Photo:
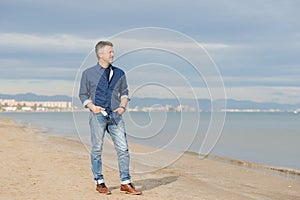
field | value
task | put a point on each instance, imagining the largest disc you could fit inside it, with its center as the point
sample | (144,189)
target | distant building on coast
(11,105)
(166,108)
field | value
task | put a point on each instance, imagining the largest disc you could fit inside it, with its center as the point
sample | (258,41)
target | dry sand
(35,165)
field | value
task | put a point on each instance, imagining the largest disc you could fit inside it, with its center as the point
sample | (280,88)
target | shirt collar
(102,68)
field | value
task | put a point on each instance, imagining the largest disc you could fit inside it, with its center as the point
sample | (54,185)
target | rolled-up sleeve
(124,88)
(84,94)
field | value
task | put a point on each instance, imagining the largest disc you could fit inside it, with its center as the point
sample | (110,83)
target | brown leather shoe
(129,189)
(102,189)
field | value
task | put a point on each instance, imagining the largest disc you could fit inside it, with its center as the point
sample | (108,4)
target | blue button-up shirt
(107,92)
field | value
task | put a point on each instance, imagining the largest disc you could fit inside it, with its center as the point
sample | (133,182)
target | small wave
(289,173)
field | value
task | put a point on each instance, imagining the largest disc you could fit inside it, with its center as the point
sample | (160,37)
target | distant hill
(244,104)
(35,97)
(204,104)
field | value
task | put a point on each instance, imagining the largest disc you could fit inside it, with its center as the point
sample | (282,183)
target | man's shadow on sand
(151,183)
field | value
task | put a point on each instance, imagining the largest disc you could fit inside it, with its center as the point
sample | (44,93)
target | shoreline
(200,111)
(286,172)
(289,173)
(35,165)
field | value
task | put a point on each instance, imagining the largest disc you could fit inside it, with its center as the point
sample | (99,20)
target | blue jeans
(98,124)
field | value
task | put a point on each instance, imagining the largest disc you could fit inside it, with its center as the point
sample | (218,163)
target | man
(103,89)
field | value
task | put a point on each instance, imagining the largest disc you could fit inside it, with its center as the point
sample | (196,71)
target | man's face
(107,55)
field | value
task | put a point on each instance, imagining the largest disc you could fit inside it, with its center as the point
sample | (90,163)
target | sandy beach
(35,165)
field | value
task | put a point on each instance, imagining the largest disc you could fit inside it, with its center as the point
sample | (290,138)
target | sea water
(271,138)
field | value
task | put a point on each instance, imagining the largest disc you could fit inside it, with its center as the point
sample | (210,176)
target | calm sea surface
(267,138)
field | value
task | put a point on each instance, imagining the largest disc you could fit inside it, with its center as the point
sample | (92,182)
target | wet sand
(35,165)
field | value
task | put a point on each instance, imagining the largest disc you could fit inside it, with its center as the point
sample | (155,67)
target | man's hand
(95,109)
(119,110)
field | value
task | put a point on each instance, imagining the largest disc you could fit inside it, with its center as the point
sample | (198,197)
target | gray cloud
(254,43)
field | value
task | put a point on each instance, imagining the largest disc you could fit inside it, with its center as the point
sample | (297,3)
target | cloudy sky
(255,45)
